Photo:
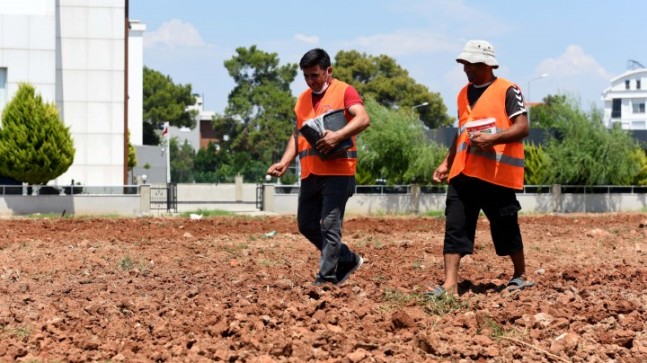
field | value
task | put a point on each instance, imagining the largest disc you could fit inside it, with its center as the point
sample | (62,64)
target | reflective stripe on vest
(343,155)
(493,155)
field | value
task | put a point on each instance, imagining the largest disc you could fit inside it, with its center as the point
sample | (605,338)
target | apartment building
(87,58)
(624,101)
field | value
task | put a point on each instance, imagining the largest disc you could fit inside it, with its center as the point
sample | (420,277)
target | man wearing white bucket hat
(484,166)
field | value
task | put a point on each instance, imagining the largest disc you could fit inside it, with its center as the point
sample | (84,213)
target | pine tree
(35,144)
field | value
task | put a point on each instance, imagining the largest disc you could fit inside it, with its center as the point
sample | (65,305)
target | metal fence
(528,189)
(68,190)
(164,197)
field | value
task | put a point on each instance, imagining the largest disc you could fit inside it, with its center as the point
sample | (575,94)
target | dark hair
(315,57)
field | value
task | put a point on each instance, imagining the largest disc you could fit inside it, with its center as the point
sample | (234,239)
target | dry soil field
(238,289)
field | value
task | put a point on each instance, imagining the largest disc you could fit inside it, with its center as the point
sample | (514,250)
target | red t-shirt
(351,97)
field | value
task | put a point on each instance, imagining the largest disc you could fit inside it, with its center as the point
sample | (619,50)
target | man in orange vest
(327,181)
(484,167)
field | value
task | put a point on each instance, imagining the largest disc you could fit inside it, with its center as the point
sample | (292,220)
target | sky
(579,45)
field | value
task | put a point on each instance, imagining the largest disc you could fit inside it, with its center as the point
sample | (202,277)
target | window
(638,107)
(637,84)
(627,84)
(616,108)
(3,88)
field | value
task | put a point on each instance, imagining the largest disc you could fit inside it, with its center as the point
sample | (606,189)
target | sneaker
(322,281)
(345,270)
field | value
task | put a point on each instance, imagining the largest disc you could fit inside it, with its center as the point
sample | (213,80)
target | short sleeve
(351,97)
(514,102)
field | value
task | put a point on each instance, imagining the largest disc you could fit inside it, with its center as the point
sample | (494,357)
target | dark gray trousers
(322,203)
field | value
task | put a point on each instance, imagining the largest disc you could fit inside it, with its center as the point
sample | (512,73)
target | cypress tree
(35,144)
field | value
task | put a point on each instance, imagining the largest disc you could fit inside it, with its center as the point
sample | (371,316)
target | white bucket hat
(478,51)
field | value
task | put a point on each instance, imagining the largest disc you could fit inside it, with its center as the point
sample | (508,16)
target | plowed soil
(238,289)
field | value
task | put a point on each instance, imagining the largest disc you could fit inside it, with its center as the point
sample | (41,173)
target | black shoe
(322,281)
(345,270)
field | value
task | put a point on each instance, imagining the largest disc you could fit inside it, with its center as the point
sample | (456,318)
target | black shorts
(466,197)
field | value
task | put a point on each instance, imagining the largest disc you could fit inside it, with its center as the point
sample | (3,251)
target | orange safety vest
(310,161)
(504,163)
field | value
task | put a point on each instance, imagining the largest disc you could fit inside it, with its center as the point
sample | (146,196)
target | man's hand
(277,169)
(328,141)
(441,173)
(482,141)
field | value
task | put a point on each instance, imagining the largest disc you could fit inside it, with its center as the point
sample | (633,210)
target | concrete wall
(416,202)
(237,197)
(241,198)
(83,204)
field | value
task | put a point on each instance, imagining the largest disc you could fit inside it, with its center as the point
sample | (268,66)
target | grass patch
(127,264)
(494,329)
(435,213)
(394,299)
(443,305)
(17,332)
(208,213)
(418,265)
(491,328)
(266,263)
(235,249)
(370,241)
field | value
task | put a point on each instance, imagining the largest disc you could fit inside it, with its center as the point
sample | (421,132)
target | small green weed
(235,249)
(496,331)
(370,241)
(266,263)
(18,332)
(443,305)
(126,263)
(394,299)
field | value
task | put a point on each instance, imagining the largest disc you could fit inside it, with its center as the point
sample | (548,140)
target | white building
(624,101)
(76,53)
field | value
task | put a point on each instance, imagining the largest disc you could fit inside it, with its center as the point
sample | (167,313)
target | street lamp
(166,132)
(528,100)
(420,105)
(417,106)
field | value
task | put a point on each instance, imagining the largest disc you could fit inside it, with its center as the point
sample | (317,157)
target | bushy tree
(132,154)
(537,163)
(581,150)
(207,164)
(181,162)
(640,156)
(165,101)
(35,144)
(258,117)
(395,148)
(382,79)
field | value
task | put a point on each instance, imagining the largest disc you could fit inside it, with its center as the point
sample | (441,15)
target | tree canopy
(35,144)
(395,148)
(165,101)
(580,150)
(258,118)
(381,78)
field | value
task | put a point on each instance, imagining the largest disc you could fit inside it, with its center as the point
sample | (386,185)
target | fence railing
(68,190)
(528,189)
